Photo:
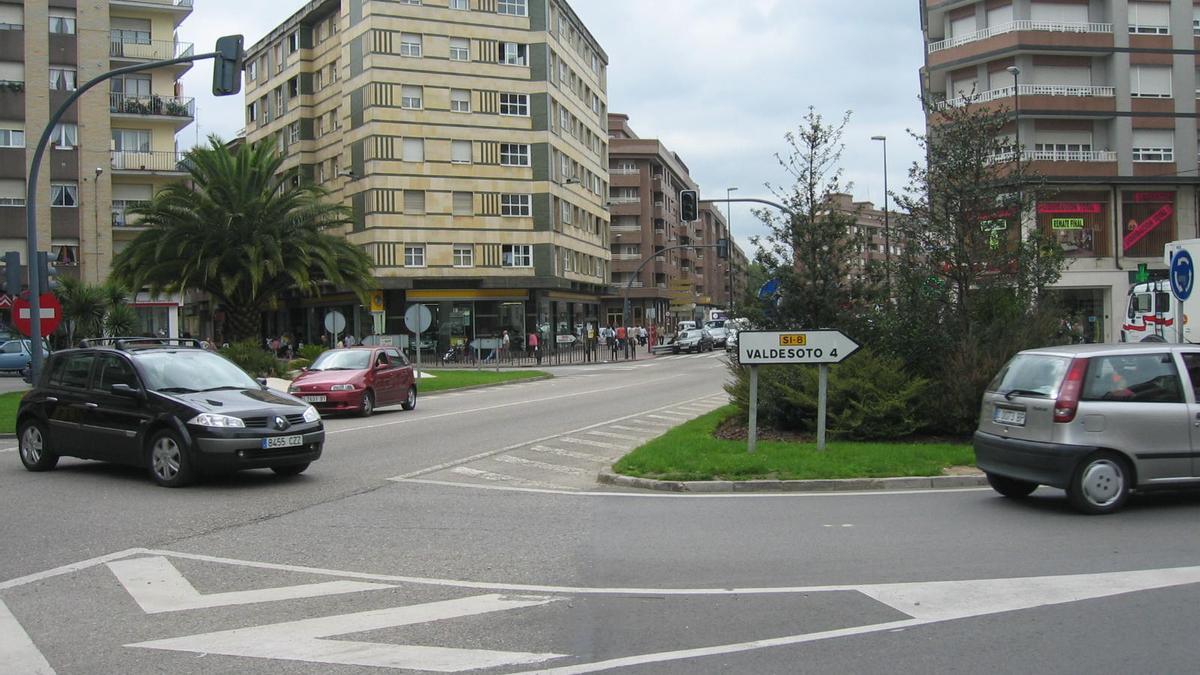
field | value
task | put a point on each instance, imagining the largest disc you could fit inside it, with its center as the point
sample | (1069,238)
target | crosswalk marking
(620,437)
(660,417)
(556,468)
(568,453)
(594,444)
(502,478)
(17,650)
(637,429)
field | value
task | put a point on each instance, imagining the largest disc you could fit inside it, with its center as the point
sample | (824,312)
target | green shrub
(297,364)
(870,397)
(310,352)
(253,359)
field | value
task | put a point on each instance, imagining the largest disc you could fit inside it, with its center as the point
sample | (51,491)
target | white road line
(514,446)
(643,430)
(17,651)
(545,466)
(10,449)
(684,415)
(660,417)
(568,453)
(594,444)
(620,437)
(68,569)
(499,478)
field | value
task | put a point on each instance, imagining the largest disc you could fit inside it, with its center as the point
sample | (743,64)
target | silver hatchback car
(1095,420)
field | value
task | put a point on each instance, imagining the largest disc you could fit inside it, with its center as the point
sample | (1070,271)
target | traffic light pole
(35,325)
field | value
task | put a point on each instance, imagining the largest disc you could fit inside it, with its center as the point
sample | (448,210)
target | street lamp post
(887,230)
(1015,72)
(729,234)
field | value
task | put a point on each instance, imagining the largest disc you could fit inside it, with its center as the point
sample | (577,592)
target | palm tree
(92,310)
(244,232)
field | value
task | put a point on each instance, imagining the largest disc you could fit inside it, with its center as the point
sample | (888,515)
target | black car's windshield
(190,370)
(342,359)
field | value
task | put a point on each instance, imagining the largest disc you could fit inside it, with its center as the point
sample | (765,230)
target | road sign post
(49,316)
(1183,278)
(418,318)
(792,347)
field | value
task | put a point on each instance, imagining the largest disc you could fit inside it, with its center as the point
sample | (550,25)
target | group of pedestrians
(622,339)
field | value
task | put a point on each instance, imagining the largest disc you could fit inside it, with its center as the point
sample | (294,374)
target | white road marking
(568,453)
(158,587)
(303,640)
(502,478)
(660,417)
(643,430)
(10,449)
(654,494)
(594,444)
(68,569)
(17,651)
(545,466)
(620,437)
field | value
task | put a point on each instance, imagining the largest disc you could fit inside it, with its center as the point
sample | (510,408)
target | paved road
(469,535)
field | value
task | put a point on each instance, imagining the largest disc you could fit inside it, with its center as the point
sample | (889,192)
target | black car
(168,405)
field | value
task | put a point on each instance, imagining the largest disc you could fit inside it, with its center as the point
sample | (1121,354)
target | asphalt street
(471,534)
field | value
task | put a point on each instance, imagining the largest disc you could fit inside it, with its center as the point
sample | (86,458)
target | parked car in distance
(357,379)
(719,330)
(15,355)
(167,405)
(1095,420)
(693,340)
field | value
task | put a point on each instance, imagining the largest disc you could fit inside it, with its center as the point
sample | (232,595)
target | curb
(607,477)
(482,386)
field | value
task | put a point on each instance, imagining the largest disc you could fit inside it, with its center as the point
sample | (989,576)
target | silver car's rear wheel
(1101,484)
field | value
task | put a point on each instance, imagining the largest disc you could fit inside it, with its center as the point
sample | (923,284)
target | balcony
(161,106)
(624,200)
(120,215)
(624,171)
(1056,156)
(154,161)
(1014,26)
(152,50)
(1030,90)
(627,256)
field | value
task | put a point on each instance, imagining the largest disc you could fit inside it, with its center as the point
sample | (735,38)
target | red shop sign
(1154,197)
(1071,207)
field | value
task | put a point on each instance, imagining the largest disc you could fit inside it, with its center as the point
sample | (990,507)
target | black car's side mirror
(125,390)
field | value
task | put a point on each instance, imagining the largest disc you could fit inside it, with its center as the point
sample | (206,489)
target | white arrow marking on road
(302,640)
(17,651)
(158,587)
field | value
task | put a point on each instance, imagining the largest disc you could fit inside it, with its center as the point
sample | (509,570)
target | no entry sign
(49,313)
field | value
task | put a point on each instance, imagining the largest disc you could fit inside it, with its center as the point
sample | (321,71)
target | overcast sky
(719,82)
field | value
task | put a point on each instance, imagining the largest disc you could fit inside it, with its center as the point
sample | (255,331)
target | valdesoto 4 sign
(793,346)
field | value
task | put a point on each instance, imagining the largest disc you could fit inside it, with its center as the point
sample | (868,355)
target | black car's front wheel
(170,465)
(33,447)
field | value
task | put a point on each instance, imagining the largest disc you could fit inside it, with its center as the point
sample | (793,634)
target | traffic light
(48,274)
(12,273)
(723,248)
(227,66)
(689,209)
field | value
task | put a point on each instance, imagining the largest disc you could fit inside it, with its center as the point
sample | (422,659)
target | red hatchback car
(357,379)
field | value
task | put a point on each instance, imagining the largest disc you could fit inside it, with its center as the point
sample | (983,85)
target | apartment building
(871,223)
(1104,95)
(467,137)
(113,148)
(672,285)
(714,274)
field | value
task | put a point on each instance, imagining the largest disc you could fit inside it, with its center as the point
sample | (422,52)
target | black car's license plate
(282,442)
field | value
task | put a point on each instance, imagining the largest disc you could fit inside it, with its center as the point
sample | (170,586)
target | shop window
(1149,222)
(1080,225)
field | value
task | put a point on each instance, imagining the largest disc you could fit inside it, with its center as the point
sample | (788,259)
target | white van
(1149,313)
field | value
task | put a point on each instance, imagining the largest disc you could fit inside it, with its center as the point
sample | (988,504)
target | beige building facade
(468,139)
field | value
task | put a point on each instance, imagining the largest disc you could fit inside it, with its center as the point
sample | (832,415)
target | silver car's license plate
(1010,416)
(282,442)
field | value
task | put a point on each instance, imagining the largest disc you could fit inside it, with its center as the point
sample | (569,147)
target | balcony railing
(623,171)
(120,215)
(154,160)
(12,26)
(168,3)
(1030,90)
(625,200)
(169,106)
(1056,156)
(626,228)
(627,256)
(154,50)
(1000,29)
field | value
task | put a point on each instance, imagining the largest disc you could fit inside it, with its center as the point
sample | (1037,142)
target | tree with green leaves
(815,250)
(244,232)
(95,310)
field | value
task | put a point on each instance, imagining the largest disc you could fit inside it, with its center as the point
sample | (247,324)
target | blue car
(15,355)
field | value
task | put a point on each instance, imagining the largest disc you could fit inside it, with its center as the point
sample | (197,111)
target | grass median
(458,379)
(691,452)
(8,411)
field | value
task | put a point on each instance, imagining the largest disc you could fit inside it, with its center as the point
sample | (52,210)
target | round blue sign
(1183,275)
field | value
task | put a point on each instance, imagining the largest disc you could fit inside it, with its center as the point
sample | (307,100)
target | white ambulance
(1152,310)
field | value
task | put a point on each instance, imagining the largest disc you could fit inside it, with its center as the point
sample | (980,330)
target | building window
(12,192)
(565,209)
(464,204)
(12,138)
(460,152)
(464,255)
(1153,145)
(293,42)
(516,255)
(514,205)
(414,255)
(511,7)
(66,136)
(251,71)
(414,150)
(460,49)
(62,21)
(514,104)
(131,85)
(460,101)
(410,44)
(64,194)
(514,154)
(414,202)
(410,97)
(1150,221)
(294,132)
(1148,18)
(460,4)
(62,78)
(513,54)
(1150,81)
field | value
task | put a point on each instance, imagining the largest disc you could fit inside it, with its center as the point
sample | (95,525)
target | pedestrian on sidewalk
(622,335)
(610,337)
(534,348)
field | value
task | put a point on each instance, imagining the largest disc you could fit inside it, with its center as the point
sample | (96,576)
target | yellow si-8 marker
(793,340)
